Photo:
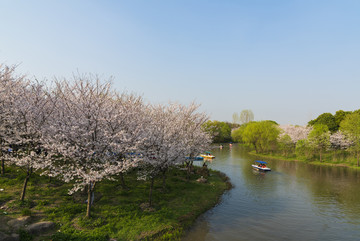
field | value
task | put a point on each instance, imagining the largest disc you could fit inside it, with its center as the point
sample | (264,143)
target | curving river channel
(295,201)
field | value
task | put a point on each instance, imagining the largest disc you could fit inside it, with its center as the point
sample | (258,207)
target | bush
(26,212)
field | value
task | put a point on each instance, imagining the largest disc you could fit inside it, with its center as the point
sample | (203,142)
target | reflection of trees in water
(333,189)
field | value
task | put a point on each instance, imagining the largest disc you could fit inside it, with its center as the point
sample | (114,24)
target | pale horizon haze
(287,61)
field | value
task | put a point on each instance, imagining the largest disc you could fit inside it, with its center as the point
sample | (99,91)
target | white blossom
(296,133)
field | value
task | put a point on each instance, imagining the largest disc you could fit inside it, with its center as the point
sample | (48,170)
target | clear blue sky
(287,61)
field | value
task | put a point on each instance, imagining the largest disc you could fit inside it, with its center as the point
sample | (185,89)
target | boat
(261,166)
(197,158)
(207,155)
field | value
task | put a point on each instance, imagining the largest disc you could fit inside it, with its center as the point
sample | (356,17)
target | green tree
(319,138)
(236,118)
(350,126)
(246,116)
(220,131)
(340,116)
(286,145)
(262,135)
(237,134)
(326,119)
(301,148)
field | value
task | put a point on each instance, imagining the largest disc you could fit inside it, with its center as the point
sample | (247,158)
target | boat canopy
(262,162)
(207,152)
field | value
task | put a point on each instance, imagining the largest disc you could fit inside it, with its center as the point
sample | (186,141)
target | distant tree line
(220,131)
(331,138)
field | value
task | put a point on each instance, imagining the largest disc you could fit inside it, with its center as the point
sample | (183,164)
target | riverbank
(347,162)
(117,214)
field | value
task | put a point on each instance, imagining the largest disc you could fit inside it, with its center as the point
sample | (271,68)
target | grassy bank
(340,158)
(117,213)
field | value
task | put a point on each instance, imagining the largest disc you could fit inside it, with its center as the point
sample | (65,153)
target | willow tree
(262,135)
(246,116)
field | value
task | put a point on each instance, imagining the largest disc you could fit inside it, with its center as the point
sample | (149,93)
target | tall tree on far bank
(326,119)
(350,126)
(219,131)
(246,116)
(236,118)
(340,116)
(319,138)
(262,135)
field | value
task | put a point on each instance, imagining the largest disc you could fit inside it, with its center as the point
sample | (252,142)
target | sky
(286,60)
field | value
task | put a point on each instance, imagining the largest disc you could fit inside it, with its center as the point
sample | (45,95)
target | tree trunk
(2,167)
(320,155)
(189,169)
(122,181)
(24,186)
(357,157)
(29,172)
(91,187)
(151,190)
(164,180)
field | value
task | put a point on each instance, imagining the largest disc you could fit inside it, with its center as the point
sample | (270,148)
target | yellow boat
(207,155)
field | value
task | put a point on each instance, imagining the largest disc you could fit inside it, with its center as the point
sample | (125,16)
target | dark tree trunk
(189,169)
(357,157)
(122,182)
(2,167)
(91,187)
(151,190)
(164,180)
(25,185)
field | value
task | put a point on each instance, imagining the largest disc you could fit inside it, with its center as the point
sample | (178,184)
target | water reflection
(295,201)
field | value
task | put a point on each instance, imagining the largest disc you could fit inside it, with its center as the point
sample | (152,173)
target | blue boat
(261,166)
(197,158)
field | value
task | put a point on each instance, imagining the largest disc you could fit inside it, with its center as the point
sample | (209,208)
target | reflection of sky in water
(295,201)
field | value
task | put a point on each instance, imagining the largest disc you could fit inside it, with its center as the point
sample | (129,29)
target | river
(295,201)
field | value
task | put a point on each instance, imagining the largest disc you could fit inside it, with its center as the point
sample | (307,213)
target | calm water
(295,201)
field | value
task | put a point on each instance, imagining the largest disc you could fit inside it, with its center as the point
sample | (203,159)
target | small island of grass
(118,213)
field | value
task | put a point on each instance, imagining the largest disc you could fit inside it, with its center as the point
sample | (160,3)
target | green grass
(116,213)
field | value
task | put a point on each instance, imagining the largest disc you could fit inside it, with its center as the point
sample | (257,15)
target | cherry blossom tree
(296,133)
(92,129)
(168,139)
(30,111)
(197,140)
(9,82)
(339,141)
